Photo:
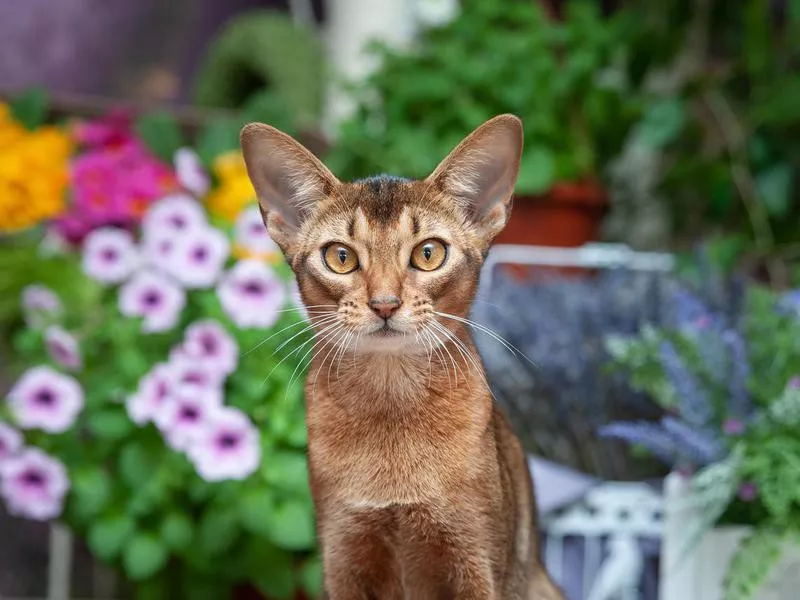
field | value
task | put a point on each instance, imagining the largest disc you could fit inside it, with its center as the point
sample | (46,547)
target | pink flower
(10,442)
(208,343)
(748,491)
(113,129)
(177,213)
(153,393)
(63,347)
(227,447)
(794,383)
(109,255)
(198,256)
(188,371)
(185,414)
(251,294)
(190,172)
(733,427)
(155,298)
(40,305)
(251,234)
(45,399)
(33,485)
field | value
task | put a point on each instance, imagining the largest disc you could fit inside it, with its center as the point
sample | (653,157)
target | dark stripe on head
(351,228)
(415,225)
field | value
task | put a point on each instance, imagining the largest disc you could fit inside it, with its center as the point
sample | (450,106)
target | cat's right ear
(289,180)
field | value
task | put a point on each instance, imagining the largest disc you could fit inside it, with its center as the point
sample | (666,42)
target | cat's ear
(288,179)
(481,172)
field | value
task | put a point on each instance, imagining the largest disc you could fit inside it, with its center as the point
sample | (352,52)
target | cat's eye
(429,255)
(340,259)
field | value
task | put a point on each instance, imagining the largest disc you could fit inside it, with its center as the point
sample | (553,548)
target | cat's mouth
(386,330)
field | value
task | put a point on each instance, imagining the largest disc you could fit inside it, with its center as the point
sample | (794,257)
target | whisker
(452,359)
(323,321)
(293,352)
(265,340)
(303,358)
(328,341)
(345,342)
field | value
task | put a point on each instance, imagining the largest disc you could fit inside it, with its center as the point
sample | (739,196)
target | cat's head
(379,257)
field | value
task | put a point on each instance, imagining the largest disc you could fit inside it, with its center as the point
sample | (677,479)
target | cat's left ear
(289,180)
(481,172)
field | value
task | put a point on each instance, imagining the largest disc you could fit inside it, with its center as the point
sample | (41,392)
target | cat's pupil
(426,252)
(342,255)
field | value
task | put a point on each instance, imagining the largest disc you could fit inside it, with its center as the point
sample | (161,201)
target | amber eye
(340,258)
(429,255)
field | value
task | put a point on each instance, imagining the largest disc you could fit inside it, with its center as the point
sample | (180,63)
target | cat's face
(376,260)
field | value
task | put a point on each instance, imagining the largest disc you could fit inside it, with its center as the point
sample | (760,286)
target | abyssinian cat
(421,489)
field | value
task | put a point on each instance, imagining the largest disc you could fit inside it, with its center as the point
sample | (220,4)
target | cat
(421,489)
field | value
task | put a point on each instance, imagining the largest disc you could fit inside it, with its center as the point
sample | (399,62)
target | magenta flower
(748,491)
(63,347)
(40,305)
(251,234)
(45,399)
(109,255)
(185,414)
(155,298)
(10,442)
(251,294)
(33,485)
(208,343)
(227,447)
(198,256)
(153,393)
(177,213)
(187,371)
(190,172)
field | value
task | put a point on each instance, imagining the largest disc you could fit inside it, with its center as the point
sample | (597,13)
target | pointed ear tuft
(289,180)
(481,172)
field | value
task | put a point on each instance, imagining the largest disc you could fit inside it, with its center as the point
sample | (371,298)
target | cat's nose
(384,306)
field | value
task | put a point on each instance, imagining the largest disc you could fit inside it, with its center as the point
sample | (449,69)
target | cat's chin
(389,341)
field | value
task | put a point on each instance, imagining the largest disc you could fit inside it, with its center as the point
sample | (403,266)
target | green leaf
(662,123)
(219,528)
(30,108)
(136,464)
(287,471)
(108,535)
(291,526)
(91,488)
(273,569)
(774,189)
(144,556)
(537,171)
(220,136)
(756,557)
(162,134)
(177,531)
(255,507)
(311,577)
(110,424)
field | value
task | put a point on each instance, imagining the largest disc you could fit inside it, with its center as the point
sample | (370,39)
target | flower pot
(568,215)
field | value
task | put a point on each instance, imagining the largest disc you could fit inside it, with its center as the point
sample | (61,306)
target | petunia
(188,371)
(10,442)
(33,485)
(190,172)
(152,394)
(251,294)
(177,213)
(198,257)
(109,255)
(45,399)
(251,235)
(63,347)
(155,298)
(40,305)
(227,447)
(208,343)
(185,414)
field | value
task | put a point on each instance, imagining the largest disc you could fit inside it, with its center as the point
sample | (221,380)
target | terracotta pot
(567,216)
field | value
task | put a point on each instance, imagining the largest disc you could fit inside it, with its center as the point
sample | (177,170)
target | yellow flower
(33,173)
(234,191)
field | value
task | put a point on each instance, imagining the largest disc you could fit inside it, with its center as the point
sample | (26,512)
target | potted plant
(566,80)
(732,393)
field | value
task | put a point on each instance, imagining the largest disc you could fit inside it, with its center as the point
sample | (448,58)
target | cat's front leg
(475,581)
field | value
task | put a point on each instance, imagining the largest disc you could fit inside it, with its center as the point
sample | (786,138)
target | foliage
(737,384)
(126,476)
(567,81)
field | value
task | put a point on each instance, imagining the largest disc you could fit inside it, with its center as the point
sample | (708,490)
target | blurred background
(644,289)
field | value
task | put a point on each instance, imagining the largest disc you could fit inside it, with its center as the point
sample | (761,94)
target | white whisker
(508,345)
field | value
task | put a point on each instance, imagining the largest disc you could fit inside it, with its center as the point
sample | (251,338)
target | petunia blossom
(208,343)
(190,172)
(184,416)
(109,255)
(198,257)
(177,213)
(251,294)
(63,347)
(251,235)
(155,298)
(40,305)
(45,399)
(152,394)
(189,371)
(10,442)
(227,447)
(33,485)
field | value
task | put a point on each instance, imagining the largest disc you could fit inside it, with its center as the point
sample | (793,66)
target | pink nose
(384,306)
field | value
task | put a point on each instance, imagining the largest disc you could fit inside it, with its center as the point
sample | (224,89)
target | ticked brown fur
(421,489)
